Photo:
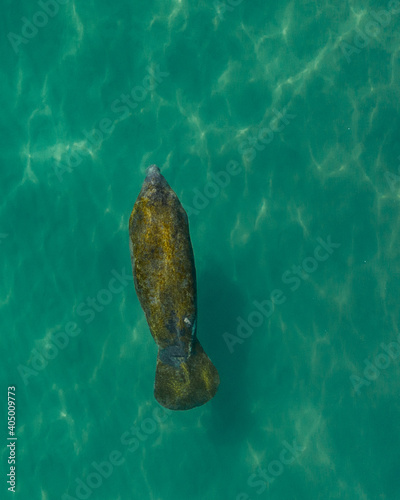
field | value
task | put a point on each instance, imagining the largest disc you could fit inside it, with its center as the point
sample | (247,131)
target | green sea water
(277,125)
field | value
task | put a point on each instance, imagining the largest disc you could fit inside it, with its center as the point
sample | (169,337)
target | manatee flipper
(195,380)
(165,281)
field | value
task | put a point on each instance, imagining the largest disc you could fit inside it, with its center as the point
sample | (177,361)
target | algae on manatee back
(165,281)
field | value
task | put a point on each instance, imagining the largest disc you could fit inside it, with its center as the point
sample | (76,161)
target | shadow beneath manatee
(220,302)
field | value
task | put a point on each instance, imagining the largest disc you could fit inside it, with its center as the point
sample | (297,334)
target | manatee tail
(181,386)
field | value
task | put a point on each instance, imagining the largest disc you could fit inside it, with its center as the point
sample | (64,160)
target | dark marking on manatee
(173,355)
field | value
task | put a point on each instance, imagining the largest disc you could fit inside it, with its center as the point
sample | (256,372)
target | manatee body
(165,281)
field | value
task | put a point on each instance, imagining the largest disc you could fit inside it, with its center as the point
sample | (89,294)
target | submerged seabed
(277,126)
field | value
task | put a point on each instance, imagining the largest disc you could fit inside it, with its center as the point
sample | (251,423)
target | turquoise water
(277,126)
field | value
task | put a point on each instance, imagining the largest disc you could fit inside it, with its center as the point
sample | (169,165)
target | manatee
(165,281)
